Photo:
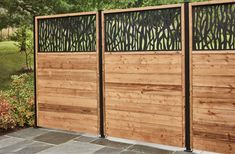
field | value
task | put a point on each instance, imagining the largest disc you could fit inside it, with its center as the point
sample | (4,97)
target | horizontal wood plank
(215,115)
(144,88)
(144,117)
(218,128)
(213,92)
(145,108)
(213,145)
(68,121)
(72,101)
(143,59)
(67,109)
(214,81)
(66,92)
(163,79)
(67,62)
(214,103)
(67,75)
(143,68)
(138,98)
(145,131)
(66,84)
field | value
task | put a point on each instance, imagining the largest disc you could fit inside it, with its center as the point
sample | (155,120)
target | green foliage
(24,38)
(20,12)
(21,98)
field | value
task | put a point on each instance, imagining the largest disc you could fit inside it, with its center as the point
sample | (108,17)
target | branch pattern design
(151,30)
(214,27)
(65,34)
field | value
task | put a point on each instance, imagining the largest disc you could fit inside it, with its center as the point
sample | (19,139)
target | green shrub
(6,117)
(24,38)
(21,97)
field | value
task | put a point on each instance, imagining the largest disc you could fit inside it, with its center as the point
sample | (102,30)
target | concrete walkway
(47,141)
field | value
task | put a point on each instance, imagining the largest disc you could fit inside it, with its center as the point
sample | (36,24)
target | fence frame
(97,51)
(186,136)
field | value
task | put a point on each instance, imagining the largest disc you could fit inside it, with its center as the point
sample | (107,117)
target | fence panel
(213,76)
(67,72)
(143,74)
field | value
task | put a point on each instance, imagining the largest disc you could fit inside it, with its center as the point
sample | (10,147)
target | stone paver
(85,139)
(9,141)
(55,137)
(28,133)
(34,148)
(108,150)
(3,137)
(65,131)
(130,152)
(73,147)
(15,147)
(183,152)
(50,141)
(110,143)
(149,150)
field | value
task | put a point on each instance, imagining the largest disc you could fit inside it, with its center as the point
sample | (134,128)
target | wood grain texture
(143,97)
(36,68)
(65,15)
(213,102)
(67,91)
(212,2)
(143,8)
(68,121)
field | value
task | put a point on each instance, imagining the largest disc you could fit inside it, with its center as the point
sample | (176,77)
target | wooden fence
(67,80)
(155,74)
(143,88)
(213,76)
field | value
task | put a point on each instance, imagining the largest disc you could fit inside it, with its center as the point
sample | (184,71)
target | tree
(19,13)
(24,39)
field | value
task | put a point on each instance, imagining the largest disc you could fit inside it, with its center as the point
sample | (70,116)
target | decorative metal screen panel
(65,34)
(214,27)
(149,30)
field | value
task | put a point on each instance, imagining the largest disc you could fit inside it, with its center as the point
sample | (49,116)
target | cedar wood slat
(211,2)
(66,15)
(143,8)
(35,54)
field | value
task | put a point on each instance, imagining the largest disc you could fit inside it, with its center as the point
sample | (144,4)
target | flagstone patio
(49,141)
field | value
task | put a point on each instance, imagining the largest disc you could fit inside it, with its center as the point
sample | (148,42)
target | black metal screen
(214,27)
(66,34)
(150,30)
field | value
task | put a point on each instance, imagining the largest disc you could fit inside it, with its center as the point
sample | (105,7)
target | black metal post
(35,93)
(187,78)
(99,28)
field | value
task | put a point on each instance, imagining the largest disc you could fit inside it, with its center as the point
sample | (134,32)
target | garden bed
(17,104)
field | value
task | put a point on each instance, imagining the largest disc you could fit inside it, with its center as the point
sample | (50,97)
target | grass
(11,61)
